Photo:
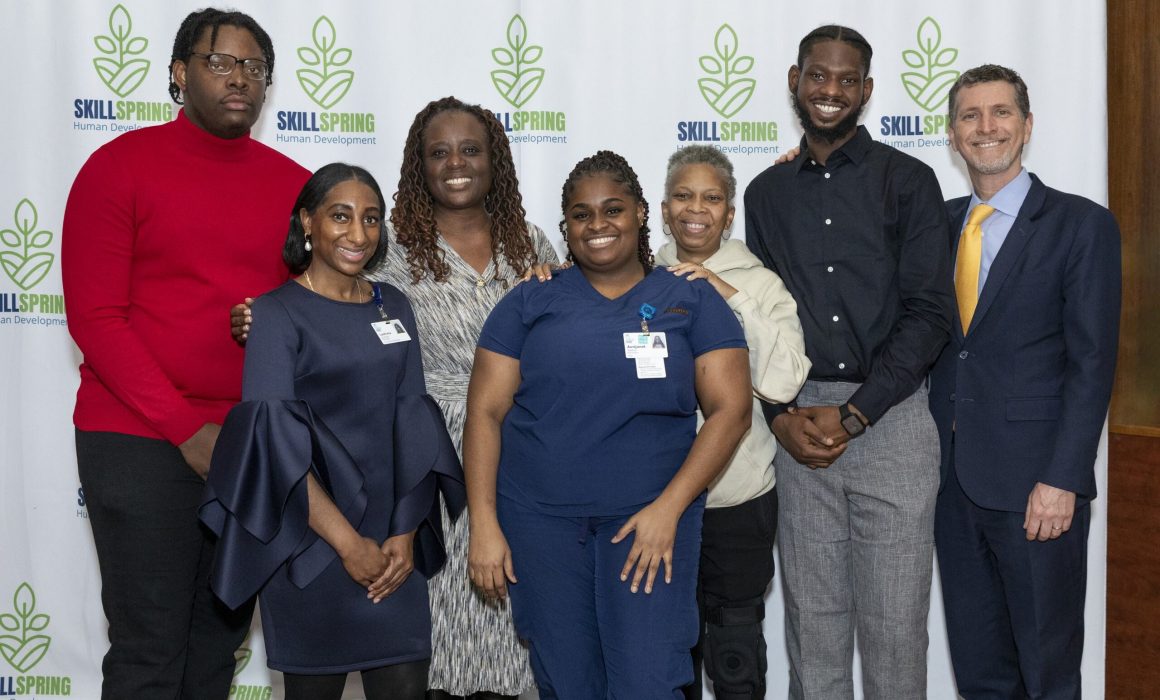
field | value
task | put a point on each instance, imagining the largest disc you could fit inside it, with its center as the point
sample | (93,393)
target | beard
(997,163)
(828,134)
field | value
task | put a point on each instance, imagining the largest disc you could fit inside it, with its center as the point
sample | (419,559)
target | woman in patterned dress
(458,243)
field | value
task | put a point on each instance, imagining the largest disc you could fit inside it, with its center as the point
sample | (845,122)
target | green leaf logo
(117,68)
(19,645)
(324,79)
(515,81)
(25,260)
(242,656)
(929,85)
(722,89)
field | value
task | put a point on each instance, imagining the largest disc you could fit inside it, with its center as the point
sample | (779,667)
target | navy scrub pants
(590,637)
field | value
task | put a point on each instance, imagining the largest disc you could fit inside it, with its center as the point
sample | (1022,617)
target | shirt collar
(199,140)
(1009,199)
(855,149)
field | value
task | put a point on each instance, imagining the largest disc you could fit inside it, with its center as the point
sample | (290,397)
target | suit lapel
(1017,238)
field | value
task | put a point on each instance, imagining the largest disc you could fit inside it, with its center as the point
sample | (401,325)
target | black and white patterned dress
(474,645)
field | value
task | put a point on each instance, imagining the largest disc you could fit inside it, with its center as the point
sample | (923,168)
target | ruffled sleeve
(256,499)
(425,465)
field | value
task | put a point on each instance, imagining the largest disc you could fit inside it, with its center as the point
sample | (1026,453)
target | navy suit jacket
(1026,391)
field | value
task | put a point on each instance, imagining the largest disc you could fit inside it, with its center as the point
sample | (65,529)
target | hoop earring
(666,230)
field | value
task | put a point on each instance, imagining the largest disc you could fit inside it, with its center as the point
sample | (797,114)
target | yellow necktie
(967,263)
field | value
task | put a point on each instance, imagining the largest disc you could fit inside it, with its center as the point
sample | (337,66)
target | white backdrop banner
(565,79)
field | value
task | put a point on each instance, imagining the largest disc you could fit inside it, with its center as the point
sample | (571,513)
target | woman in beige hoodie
(741,513)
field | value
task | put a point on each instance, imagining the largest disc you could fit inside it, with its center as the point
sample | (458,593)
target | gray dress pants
(856,542)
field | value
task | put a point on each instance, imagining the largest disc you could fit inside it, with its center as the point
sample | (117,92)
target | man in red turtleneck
(165,228)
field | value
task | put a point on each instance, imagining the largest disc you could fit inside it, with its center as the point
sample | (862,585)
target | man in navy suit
(1020,395)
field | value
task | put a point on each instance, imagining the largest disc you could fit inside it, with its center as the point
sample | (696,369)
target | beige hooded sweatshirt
(777,362)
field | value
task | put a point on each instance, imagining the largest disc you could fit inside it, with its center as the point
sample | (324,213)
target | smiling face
(224,105)
(603,223)
(456,160)
(989,131)
(829,90)
(697,211)
(344,231)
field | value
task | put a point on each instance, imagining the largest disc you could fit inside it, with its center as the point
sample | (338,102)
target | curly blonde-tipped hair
(413,214)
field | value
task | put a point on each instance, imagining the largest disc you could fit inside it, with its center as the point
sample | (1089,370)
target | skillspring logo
(121,66)
(26,260)
(928,83)
(247,692)
(323,77)
(326,79)
(24,642)
(517,79)
(726,86)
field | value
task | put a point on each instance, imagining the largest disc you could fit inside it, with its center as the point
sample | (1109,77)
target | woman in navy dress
(586,473)
(324,481)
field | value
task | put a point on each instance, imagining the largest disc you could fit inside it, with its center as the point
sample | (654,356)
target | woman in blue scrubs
(586,473)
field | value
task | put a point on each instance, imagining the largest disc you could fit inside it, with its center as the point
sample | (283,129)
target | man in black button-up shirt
(858,231)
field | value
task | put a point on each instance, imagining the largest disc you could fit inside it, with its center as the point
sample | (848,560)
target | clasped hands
(813,435)
(381,568)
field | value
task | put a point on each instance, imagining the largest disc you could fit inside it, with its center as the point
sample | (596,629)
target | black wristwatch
(850,421)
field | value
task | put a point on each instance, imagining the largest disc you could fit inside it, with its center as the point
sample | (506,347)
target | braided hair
(195,23)
(836,32)
(413,214)
(617,168)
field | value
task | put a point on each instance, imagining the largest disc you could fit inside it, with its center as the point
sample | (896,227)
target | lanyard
(647,312)
(377,296)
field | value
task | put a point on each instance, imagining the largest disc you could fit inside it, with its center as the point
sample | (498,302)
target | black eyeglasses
(223,64)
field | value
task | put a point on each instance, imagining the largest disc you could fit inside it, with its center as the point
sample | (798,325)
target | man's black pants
(169,636)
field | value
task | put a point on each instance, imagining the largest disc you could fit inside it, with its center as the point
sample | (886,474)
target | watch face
(852,425)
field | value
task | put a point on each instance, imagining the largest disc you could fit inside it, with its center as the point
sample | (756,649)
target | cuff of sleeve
(739,299)
(425,464)
(872,402)
(180,428)
(256,497)
(773,410)
(1066,473)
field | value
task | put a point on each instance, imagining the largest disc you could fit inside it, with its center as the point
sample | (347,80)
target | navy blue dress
(323,394)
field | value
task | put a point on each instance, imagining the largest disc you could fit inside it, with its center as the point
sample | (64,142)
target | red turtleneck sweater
(165,229)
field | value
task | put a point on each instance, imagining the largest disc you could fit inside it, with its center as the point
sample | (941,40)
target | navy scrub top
(585,436)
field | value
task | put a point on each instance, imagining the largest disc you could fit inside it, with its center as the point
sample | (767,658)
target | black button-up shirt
(862,244)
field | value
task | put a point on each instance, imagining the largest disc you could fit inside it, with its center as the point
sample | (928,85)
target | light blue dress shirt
(1007,203)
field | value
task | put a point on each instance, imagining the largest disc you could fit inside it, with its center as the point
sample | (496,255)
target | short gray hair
(702,155)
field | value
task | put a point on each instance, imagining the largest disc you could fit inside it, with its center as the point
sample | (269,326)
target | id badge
(652,367)
(640,345)
(390,332)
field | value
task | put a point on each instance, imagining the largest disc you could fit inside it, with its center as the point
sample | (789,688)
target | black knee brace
(735,657)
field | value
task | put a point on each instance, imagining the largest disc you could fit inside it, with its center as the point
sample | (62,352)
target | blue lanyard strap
(377,295)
